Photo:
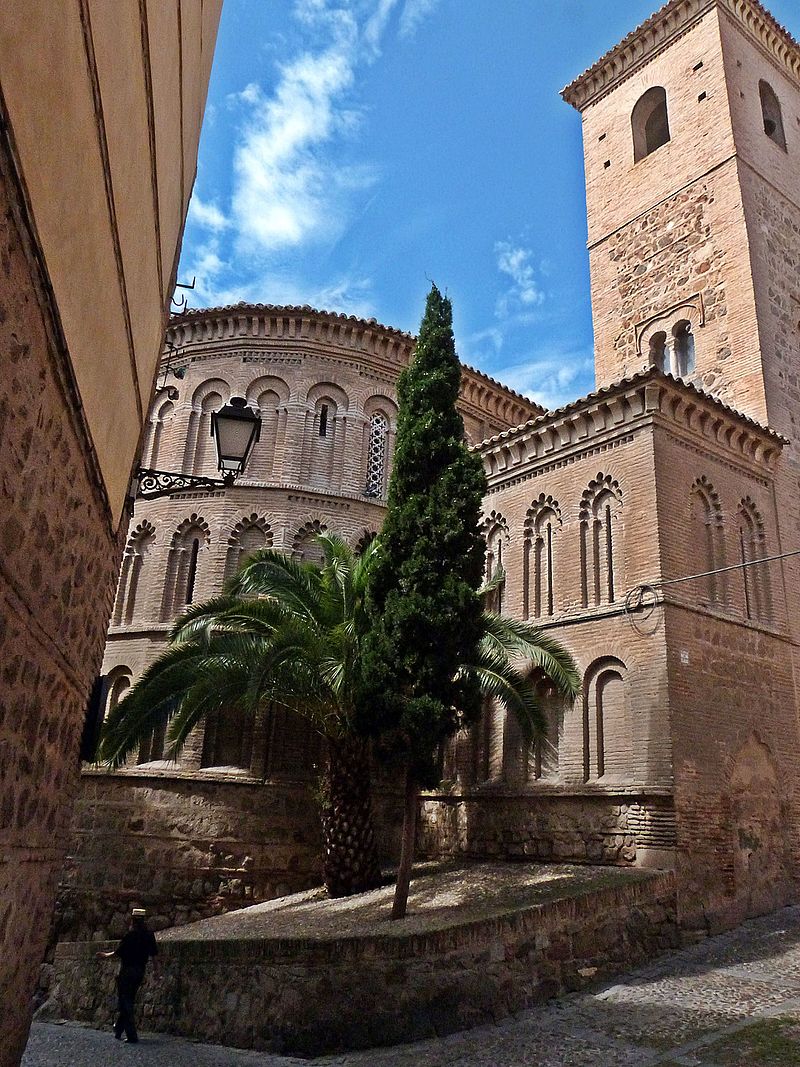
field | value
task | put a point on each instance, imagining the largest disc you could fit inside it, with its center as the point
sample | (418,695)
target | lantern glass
(235,429)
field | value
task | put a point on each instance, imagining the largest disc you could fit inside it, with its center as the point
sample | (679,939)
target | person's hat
(138,913)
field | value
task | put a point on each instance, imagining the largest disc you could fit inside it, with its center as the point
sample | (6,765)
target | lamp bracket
(154,483)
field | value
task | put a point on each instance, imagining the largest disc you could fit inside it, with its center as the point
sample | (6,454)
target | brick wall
(58,563)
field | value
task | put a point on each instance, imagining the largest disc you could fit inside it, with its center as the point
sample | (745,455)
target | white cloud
(413,13)
(217,286)
(296,179)
(492,334)
(550,378)
(207,215)
(285,188)
(375,27)
(514,261)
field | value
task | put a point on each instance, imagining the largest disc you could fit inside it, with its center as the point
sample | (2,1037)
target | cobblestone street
(731,1001)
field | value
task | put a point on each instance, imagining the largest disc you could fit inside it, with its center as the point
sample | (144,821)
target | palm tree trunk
(406,848)
(351,855)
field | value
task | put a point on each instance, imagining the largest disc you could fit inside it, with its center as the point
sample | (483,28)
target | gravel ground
(441,895)
(731,1001)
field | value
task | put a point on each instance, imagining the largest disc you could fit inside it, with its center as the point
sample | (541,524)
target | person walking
(134,950)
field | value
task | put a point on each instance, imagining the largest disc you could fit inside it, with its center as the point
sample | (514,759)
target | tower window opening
(674,352)
(659,351)
(323,420)
(650,123)
(376,455)
(772,114)
(683,349)
(192,571)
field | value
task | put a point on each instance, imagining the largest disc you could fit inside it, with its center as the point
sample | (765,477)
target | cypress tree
(425,613)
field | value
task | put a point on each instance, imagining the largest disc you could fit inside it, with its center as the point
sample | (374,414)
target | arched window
(484,757)
(541,527)
(709,536)
(293,746)
(270,395)
(377,455)
(752,547)
(163,413)
(180,588)
(495,532)
(659,351)
(683,362)
(304,546)
(601,542)
(542,756)
(668,339)
(772,114)
(606,729)
(324,435)
(364,541)
(139,545)
(200,455)
(119,682)
(248,537)
(650,123)
(380,413)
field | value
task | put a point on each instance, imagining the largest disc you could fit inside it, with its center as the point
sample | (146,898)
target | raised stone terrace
(307,975)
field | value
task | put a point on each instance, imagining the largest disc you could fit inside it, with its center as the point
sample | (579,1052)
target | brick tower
(692,152)
(692,142)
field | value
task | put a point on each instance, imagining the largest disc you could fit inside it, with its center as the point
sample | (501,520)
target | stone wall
(628,830)
(306,997)
(186,847)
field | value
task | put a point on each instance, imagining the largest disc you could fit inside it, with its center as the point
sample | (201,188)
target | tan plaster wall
(74,85)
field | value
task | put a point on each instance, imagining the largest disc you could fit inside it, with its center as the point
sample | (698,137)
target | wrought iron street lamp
(235,428)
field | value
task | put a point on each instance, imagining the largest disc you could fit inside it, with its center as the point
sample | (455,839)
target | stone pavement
(730,1001)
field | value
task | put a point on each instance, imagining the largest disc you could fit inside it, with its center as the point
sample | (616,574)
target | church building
(649,526)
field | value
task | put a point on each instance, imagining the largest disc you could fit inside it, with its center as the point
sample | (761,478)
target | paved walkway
(731,1001)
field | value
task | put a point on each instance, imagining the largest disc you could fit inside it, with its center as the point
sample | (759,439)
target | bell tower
(691,132)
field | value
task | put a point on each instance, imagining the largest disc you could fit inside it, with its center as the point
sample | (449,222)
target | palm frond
(519,640)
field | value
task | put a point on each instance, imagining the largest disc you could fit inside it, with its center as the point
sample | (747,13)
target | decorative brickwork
(605,516)
(326,388)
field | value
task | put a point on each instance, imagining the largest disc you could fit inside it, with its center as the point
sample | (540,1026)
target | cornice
(385,347)
(669,23)
(614,411)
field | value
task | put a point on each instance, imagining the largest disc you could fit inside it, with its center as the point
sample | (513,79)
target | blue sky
(354,149)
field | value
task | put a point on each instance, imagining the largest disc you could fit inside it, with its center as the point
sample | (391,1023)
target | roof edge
(608,392)
(248,309)
(671,21)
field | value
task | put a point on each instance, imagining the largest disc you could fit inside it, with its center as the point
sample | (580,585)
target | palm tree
(286,633)
(289,633)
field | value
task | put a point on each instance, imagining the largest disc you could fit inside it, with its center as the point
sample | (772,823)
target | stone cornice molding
(669,23)
(382,347)
(650,396)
